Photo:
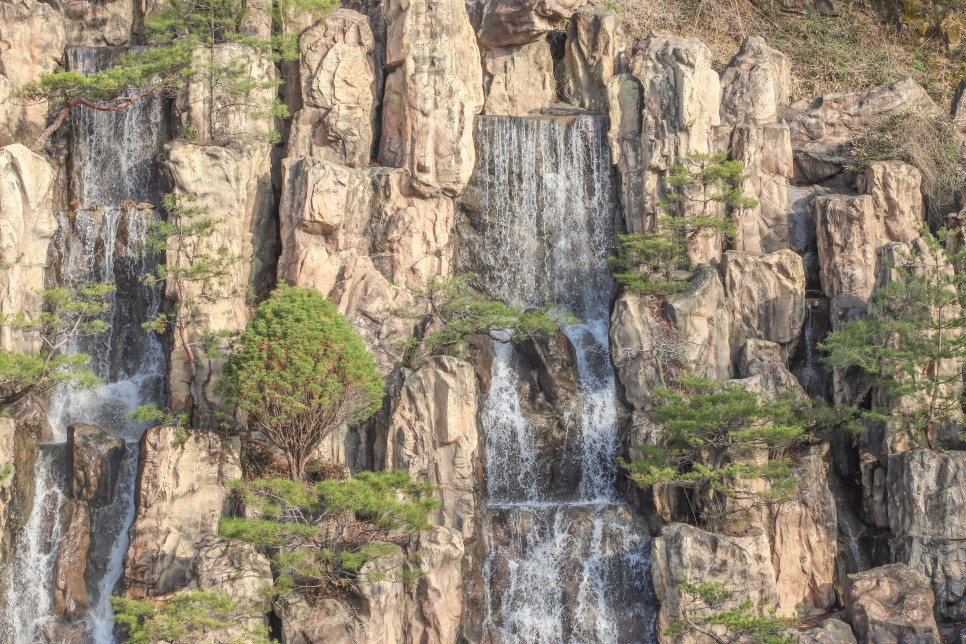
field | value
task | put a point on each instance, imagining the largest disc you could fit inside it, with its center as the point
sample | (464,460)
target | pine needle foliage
(69,313)
(321,536)
(706,613)
(453,310)
(714,436)
(183,617)
(300,372)
(912,344)
(703,197)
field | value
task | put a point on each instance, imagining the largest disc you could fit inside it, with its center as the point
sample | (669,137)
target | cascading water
(559,569)
(102,239)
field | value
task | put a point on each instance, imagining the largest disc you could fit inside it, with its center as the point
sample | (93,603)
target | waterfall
(112,174)
(559,568)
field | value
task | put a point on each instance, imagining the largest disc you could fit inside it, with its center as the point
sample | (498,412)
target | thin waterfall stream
(567,560)
(113,185)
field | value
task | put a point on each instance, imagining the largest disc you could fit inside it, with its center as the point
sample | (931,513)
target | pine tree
(702,199)
(911,345)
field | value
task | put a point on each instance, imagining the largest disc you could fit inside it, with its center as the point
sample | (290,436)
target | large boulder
(433,93)
(433,433)
(32,43)
(234,186)
(518,80)
(593,41)
(100,24)
(689,333)
(502,23)
(766,298)
(27,225)
(680,106)
(686,554)
(766,153)
(821,129)
(891,604)
(179,497)
(337,120)
(755,84)
(927,516)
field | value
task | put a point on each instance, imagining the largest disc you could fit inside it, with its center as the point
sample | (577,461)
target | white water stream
(112,161)
(559,569)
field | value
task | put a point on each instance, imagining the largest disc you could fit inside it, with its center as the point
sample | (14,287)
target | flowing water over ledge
(561,566)
(112,162)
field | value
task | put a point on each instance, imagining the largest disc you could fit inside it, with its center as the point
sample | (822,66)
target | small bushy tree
(454,310)
(912,343)
(321,535)
(301,371)
(69,313)
(705,612)
(703,197)
(714,434)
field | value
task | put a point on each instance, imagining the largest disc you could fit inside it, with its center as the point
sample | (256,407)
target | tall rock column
(432,95)
(27,225)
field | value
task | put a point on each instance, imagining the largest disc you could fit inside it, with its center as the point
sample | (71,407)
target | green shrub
(300,372)
(184,615)
(706,613)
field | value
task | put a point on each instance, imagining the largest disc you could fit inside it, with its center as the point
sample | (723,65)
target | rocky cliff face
(513,139)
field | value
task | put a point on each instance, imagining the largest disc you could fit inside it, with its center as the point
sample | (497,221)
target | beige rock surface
(766,153)
(433,93)
(756,84)
(514,22)
(891,604)
(180,496)
(518,80)
(27,225)
(593,43)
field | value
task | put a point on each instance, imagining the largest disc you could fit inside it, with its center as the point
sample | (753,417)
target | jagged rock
(234,185)
(766,153)
(593,40)
(8,467)
(325,212)
(518,80)
(755,84)
(690,333)
(179,498)
(766,298)
(896,198)
(625,96)
(31,43)
(433,93)
(686,554)
(217,115)
(514,22)
(821,129)
(762,361)
(70,592)
(99,24)
(433,434)
(94,460)
(831,631)
(27,225)
(927,515)
(329,621)
(680,100)
(891,604)
(338,91)
(851,228)
(435,604)
(802,534)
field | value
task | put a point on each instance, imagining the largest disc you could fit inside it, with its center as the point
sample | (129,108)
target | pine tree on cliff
(182,36)
(703,197)
(912,343)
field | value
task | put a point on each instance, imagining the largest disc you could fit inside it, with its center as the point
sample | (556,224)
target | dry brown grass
(854,51)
